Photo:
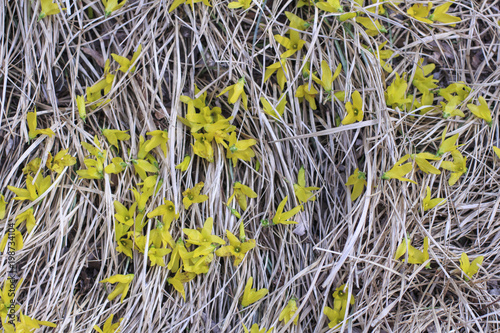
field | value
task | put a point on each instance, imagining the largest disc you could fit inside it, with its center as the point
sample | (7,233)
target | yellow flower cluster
(16,323)
(98,90)
(457,166)
(36,185)
(453,95)
(418,257)
(294,44)
(49,8)
(341,301)
(211,130)
(208,125)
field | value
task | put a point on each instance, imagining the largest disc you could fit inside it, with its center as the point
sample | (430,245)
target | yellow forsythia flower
(281,73)
(306,74)
(140,242)
(340,95)
(235,91)
(440,14)
(28,217)
(179,279)
(117,165)
(429,203)
(32,191)
(241,193)
(142,197)
(422,79)
(160,236)
(347,16)
(382,55)
(33,131)
(236,248)
(122,287)
(27,324)
(151,181)
(124,245)
(123,214)
(481,111)
(111,6)
(358,180)
(275,112)
(201,264)
(159,138)
(125,63)
(447,145)
(470,268)
(399,170)
(199,261)
(141,167)
(60,161)
(354,109)
(426,99)
(339,311)
(292,44)
(373,27)
(497,151)
(156,255)
(113,135)
(109,327)
(302,192)
(296,22)
(414,256)
(244,4)
(183,166)
(252,295)
(179,253)
(420,12)
(239,149)
(80,104)
(424,165)
(3,206)
(289,312)
(94,92)
(32,166)
(167,210)
(459,89)
(95,149)
(16,245)
(192,195)
(7,296)
(309,94)
(282,217)
(203,147)
(330,6)
(450,109)
(95,167)
(457,167)
(203,238)
(49,8)
(198,103)
(327,77)
(396,92)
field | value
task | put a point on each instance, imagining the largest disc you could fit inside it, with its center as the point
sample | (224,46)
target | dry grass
(46,64)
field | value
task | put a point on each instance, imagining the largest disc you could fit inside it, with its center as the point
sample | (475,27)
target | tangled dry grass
(45,64)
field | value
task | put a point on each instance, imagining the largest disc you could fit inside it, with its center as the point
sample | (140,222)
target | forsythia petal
(472,268)
(251,295)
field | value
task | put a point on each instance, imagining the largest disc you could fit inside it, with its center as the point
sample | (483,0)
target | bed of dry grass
(45,64)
